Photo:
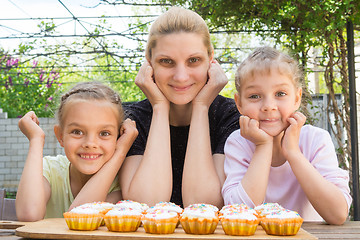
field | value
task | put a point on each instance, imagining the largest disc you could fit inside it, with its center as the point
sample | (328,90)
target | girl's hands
(249,129)
(128,134)
(29,126)
(144,80)
(216,82)
(290,141)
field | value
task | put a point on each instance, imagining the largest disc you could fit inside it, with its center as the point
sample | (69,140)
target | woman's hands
(29,126)
(216,82)
(145,81)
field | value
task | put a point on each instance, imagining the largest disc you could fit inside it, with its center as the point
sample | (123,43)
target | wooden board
(4,224)
(56,228)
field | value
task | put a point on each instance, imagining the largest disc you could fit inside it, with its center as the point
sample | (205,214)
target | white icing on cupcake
(283,214)
(84,210)
(160,214)
(131,204)
(123,212)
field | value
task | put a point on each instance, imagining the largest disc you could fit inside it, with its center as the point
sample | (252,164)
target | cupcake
(236,208)
(268,208)
(238,221)
(102,207)
(199,219)
(132,204)
(283,223)
(123,219)
(83,218)
(160,221)
(169,206)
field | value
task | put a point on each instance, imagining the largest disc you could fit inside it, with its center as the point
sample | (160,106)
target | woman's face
(180,62)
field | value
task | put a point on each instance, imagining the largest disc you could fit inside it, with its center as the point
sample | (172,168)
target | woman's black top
(223,120)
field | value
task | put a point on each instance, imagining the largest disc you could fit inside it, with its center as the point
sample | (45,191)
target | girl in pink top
(274,157)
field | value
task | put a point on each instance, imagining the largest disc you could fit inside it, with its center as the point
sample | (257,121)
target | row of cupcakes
(237,219)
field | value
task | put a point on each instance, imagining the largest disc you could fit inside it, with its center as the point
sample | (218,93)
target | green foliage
(26,86)
(297,25)
(107,66)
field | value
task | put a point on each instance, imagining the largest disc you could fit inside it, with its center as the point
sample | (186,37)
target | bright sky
(15,9)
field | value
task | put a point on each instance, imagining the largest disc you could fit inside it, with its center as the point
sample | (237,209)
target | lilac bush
(26,86)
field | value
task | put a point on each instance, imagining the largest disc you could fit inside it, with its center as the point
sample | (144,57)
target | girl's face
(89,134)
(180,62)
(270,99)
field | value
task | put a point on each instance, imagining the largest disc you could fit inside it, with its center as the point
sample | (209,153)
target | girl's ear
(237,101)
(59,135)
(298,98)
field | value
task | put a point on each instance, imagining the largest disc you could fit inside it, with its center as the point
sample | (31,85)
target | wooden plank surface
(4,224)
(349,230)
(56,228)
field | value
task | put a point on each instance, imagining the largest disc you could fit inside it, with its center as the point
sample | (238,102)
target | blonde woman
(183,124)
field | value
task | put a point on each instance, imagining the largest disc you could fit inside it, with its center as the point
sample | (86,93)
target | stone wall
(14,148)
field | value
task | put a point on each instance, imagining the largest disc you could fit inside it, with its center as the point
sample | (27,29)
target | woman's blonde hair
(265,59)
(90,91)
(177,20)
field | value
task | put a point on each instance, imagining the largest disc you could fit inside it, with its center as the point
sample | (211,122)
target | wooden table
(349,230)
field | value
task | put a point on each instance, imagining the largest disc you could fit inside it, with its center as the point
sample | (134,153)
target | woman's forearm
(201,182)
(152,181)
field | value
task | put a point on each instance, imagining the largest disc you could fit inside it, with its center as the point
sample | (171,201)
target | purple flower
(10,81)
(50,98)
(56,76)
(41,77)
(35,63)
(48,83)
(15,62)
(26,82)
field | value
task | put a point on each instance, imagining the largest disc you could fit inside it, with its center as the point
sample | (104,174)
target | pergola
(353,121)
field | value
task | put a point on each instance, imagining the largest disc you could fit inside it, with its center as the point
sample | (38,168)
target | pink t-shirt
(283,187)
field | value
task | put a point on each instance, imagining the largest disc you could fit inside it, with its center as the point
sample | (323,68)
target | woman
(183,124)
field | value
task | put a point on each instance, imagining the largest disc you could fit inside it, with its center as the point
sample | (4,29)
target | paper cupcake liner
(160,226)
(122,223)
(82,222)
(281,227)
(239,227)
(199,225)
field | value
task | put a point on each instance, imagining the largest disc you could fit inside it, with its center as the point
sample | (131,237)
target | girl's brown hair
(90,91)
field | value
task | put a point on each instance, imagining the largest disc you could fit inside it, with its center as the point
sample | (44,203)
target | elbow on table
(337,219)
(29,216)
